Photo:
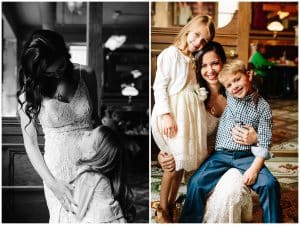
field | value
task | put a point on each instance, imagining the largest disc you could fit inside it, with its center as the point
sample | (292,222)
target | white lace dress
(230,201)
(63,125)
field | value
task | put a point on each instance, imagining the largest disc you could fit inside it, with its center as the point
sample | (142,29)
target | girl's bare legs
(168,192)
(175,186)
(174,210)
(165,188)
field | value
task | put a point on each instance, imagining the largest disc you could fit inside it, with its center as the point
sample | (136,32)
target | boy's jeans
(208,175)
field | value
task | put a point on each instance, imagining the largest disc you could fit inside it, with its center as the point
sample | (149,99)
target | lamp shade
(275,26)
(115,41)
(130,91)
(136,73)
(282,14)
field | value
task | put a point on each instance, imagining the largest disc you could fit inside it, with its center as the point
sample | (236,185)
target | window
(78,53)
(9,71)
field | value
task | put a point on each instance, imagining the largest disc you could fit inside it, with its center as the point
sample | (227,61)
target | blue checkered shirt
(246,112)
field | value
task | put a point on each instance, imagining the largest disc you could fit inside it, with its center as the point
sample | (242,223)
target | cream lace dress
(63,125)
(189,146)
(230,201)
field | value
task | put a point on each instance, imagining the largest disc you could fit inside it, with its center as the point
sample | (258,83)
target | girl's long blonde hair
(181,38)
(109,160)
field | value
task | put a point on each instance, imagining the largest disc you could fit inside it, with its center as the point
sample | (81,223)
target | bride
(61,96)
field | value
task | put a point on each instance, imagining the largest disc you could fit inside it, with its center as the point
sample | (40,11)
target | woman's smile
(212,77)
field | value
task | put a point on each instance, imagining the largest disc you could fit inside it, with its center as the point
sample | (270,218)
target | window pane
(78,54)
(9,72)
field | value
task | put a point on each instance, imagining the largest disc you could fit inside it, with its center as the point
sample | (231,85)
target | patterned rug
(285,127)
(284,166)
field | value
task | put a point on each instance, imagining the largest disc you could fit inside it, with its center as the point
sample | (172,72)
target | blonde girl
(100,187)
(178,116)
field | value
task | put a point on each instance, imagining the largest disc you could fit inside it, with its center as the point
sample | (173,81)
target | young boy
(244,106)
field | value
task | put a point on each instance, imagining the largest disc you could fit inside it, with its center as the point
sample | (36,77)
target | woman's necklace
(211,108)
(214,104)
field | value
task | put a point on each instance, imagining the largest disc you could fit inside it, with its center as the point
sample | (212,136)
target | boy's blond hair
(180,40)
(232,68)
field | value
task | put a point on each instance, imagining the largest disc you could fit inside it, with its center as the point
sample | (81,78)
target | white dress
(230,201)
(63,125)
(189,146)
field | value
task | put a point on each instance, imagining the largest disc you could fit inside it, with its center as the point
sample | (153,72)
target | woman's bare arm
(31,146)
(61,189)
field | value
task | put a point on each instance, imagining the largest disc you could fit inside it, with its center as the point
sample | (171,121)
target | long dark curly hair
(109,160)
(43,48)
(217,48)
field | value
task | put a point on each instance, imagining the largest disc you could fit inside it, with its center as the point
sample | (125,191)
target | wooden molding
(230,28)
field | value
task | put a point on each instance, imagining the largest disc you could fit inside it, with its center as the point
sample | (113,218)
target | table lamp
(275,26)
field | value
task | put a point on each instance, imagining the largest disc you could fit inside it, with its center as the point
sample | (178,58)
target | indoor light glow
(115,41)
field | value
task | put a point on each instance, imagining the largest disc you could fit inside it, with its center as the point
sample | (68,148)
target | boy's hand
(250,176)
(169,125)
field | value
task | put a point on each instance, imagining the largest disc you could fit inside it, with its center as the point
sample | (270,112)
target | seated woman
(225,204)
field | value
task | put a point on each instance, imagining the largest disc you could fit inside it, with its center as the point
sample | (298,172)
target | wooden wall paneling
(16,167)
(94,44)
(244,21)
(266,37)
(11,131)
(5,166)
(22,190)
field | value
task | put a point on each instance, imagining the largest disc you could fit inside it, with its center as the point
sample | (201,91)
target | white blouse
(96,203)
(171,76)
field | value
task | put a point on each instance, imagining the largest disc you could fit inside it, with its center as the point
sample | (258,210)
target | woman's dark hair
(43,48)
(109,160)
(211,46)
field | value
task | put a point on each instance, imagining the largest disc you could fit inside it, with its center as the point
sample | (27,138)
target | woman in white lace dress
(230,201)
(55,92)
